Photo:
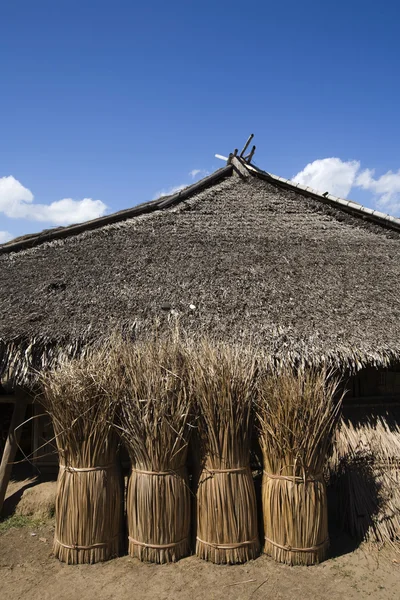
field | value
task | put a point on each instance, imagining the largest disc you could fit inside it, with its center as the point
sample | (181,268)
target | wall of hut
(372,387)
(373,393)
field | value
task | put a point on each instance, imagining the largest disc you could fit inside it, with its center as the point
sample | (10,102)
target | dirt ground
(28,570)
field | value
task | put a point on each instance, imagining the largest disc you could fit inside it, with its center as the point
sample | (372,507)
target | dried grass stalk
(154,424)
(365,475)
(89,503)
(159,512)
(223,382)
(296,413)
(88,515)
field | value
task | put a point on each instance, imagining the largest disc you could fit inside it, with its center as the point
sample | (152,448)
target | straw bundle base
(296,556)
(227,531)
(158,511)
(89,511)
(227,554)
(160,554)
(80,555)
(295,519)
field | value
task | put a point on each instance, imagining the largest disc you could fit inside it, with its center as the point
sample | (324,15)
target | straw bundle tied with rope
(296,414)
(223,383)
(365,475)
(154,423)
(89,503)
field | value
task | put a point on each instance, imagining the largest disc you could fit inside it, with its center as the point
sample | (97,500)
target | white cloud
(196,173)
(339,177)
(329,175)
(386,187)
(67,211)
(5,237)
(170,191)
(17,202)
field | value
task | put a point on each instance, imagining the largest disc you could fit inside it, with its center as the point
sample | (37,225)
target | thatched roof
(242,254)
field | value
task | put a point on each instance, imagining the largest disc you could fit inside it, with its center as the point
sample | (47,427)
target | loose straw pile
(296,414)
(154,424)
(89,503)
(223,382)
(365,475)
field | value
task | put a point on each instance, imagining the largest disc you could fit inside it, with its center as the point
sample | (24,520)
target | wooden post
(10,448)
(35,432)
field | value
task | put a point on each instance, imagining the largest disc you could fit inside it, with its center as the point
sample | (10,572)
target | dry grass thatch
(223,383)
(89,504)
(296,414)
(365,475)
(154,420)
(306,280)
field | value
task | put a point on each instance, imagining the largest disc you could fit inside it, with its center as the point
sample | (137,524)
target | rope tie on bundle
(162,473)
(233,470)
(289,548)
(296,479)
(230,546)
(85,469)
(156,546)
(91,547)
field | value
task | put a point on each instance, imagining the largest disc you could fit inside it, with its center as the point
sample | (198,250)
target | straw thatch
(89,504)
(154,419)
(241,258)
(296,414)
(223,382)
(365,475)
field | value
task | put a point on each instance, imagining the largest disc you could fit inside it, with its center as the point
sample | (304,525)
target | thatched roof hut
(308,277)
(241,253)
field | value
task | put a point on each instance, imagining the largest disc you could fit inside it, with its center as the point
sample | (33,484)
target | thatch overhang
(240,255)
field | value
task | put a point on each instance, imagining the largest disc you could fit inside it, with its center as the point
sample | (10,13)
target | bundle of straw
(89,504)
(223,382)
(365,474)
(154,424)
(296,414)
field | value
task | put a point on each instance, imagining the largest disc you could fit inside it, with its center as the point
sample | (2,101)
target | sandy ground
(28,570)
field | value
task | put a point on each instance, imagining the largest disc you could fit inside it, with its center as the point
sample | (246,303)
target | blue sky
(111,103)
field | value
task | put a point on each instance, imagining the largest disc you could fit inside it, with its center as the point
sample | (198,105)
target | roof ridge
(31,240)
(237,163)
(349,206)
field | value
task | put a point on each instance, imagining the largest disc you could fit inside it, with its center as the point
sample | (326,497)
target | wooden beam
(246,145)
(249,157)
(35,432)
(240,168)
(16,397)
(373,402)
(11,447)
(7,398)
